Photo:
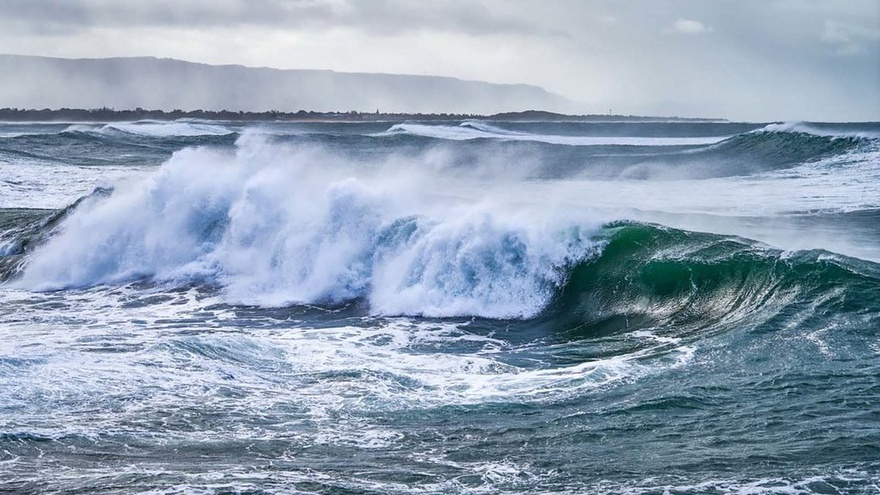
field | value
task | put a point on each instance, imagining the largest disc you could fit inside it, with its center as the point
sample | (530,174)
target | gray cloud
(741,59)
(850,39)
(382,16)
(690,26)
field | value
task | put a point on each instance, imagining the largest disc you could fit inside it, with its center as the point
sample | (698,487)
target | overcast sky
(737,59)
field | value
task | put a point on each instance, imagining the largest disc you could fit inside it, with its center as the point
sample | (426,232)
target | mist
(805,60)
(164,84)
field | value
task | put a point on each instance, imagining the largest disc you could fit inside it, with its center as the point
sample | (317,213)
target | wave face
(440,307)
(482,130)
(659,277)
(788,145)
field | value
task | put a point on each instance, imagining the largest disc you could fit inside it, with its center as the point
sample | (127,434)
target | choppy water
(457,307)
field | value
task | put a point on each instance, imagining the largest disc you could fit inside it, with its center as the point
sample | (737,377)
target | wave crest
(648,276)
(273,228)
(278,225)
(470,130)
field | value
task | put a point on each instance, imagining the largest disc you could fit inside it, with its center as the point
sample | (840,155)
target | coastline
(113,115)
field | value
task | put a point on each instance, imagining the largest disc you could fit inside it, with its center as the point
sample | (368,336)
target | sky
(753,60)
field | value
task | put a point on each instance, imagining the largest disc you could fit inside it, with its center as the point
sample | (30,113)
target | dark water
(475,307)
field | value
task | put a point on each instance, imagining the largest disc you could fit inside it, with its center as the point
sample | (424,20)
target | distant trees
(105,114)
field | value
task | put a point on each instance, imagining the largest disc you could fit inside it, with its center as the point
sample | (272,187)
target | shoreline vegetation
(113,115)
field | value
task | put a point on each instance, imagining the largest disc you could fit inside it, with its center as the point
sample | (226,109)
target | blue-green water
(456,307)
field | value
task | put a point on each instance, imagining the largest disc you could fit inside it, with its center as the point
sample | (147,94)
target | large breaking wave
(273,230)
(272,225)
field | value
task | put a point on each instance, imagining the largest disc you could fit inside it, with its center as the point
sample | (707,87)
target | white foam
(746,486)
(277,225)
(29,183)
(8,246)
(328,371)
(168,129)
(155,128)
(826,131)
(472,130)
(88,127)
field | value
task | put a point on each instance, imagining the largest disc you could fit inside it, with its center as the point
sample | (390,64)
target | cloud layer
(782,60)
(688,26)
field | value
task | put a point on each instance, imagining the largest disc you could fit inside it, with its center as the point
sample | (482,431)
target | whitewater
(439,307)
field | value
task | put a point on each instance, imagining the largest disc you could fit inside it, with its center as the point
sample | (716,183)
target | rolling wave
(24,230)
(470,130)
(620,277)
(784,145)
(341,244)
(767,149)
(649,276)
(276,226)
(96,145)
(859,130)
(273,231)
(159,129)
(118,135)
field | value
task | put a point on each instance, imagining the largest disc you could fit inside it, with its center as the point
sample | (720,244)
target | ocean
(472,306)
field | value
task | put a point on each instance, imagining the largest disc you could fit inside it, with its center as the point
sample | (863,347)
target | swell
(622,277)
(784,147)
(650,276)
(84,145)
(754,152)
(656,151)
(478,130)
(648,155)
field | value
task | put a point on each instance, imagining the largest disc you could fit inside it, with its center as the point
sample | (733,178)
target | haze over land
(128,83)
(758,61)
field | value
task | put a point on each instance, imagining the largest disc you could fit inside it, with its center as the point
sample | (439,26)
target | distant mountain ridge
(167,84)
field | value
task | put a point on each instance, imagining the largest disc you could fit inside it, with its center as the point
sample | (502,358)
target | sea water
(439,307)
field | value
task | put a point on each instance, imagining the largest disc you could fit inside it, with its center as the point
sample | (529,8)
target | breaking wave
(469,130)
(275,227)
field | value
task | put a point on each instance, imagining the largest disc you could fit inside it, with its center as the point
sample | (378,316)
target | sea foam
(481,130)
(178,128)
(275,225)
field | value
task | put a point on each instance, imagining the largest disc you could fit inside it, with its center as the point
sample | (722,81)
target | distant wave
(7,135)
(72,144)
(776,145)
(824,130)
(157,128)
(481,130)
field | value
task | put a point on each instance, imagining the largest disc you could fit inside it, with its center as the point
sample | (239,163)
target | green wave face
(651,276)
